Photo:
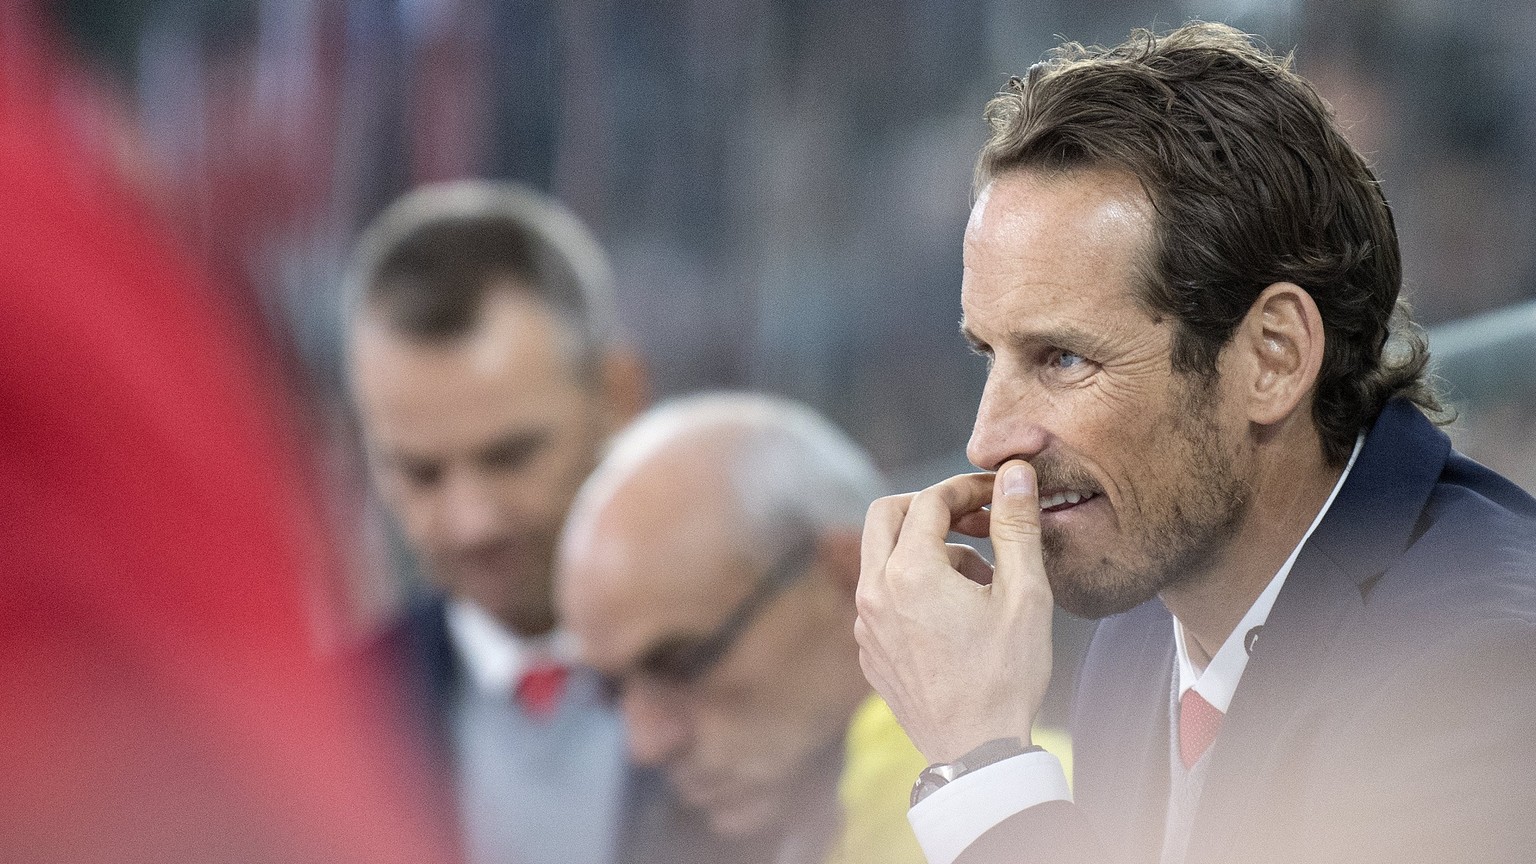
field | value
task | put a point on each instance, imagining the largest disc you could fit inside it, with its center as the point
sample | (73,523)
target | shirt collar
(1218,682)
(493,655)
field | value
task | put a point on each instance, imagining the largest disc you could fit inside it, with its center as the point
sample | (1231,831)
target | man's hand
(960,650)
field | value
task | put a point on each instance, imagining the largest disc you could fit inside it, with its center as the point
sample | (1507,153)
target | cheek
(413,509)
(748,726)
(558,471)
(526,497)
(727,741)
(540,492)
(1133,447)
(1184,461)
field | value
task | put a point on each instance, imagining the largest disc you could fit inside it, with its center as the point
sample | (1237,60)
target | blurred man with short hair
(487,374)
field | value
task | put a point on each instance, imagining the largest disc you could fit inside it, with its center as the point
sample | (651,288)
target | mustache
(494,551)
(1054,473)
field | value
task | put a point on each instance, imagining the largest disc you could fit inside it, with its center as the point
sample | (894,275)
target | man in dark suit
(487,375)
(1206,417)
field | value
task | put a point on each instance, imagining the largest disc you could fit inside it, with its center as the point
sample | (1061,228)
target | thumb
(1015,529)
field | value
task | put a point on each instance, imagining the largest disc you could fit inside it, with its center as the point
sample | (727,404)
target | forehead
(650,567)
(516,369)
(1041,247)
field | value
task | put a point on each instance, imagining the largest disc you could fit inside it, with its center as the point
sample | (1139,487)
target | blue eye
(1067,360)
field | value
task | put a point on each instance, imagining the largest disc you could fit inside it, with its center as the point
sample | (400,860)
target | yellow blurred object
(1058,743)
(879,767)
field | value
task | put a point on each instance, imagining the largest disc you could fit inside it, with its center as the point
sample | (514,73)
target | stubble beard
(1171,546)
(521,593)
(509,578)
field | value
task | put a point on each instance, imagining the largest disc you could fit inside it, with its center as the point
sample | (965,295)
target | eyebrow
(1066,337)
(970,338)
(515,445)
(512,445)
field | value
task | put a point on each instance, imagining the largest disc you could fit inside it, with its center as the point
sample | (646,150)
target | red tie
(539,690)
(1199,721)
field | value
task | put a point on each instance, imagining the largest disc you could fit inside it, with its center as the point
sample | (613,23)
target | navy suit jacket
(416,657)
(1388,710)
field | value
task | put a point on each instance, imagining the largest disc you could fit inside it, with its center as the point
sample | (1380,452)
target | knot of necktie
(539,689)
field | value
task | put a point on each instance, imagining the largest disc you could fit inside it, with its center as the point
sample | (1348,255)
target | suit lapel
(1273,699)
(1122,729)
(1371,522)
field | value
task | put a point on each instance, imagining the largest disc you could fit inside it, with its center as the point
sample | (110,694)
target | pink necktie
(1199,721)
(539,690)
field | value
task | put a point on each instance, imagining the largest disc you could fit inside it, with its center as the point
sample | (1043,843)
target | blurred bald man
(707,571)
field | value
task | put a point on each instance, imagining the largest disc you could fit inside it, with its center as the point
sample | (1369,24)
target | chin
(1094,591)
(1097,584)
(514,598)
(746,819)
(1093,602)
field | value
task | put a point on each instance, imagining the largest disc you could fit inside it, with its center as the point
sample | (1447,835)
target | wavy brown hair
(1253,183)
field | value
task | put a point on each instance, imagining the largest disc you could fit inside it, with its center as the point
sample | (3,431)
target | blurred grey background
(782,183)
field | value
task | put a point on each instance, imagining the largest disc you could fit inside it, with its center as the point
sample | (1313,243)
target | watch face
(932,778)
(923,788)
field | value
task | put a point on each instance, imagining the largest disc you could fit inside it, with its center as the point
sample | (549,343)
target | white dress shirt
(494,656)
(536,790)
(956,814)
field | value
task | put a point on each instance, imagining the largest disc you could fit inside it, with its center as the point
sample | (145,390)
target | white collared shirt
(956,814)
(493,655)
(543,789)
(1218,681)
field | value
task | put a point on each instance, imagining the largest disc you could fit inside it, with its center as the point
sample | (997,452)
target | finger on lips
(1020,565)
(1016,480)
(964,493)
(1016,501)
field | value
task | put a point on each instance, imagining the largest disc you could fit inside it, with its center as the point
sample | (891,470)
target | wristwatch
(993,751)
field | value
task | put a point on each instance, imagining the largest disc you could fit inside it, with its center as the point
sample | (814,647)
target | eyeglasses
(675,665)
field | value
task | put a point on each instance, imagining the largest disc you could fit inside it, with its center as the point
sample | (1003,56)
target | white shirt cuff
(953,816)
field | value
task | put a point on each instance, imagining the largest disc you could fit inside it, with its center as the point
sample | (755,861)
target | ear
(837,549)
(625,385)
(1282,340)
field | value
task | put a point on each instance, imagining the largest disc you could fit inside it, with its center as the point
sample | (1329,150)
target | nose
(658,730)
(1007,424)
(469,513)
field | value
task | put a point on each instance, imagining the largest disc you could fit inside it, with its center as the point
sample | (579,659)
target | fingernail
(1018,481)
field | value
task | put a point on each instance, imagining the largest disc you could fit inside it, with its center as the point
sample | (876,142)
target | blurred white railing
(1487,364)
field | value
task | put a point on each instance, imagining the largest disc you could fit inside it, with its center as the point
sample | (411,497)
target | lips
(1066,499)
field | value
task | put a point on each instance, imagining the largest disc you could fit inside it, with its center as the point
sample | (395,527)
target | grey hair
(792,472)
(430,258)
